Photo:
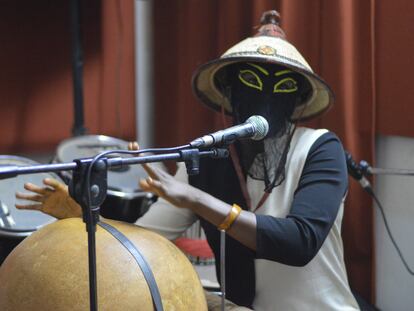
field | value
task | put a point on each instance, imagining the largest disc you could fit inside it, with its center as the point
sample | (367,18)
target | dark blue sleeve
(296,239)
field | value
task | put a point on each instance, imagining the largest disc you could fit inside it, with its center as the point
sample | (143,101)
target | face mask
(267,90)
(272,92)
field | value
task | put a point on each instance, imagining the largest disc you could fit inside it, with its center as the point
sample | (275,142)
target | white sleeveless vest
(320,285)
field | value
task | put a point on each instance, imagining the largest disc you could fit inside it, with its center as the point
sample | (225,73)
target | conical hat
(268,46)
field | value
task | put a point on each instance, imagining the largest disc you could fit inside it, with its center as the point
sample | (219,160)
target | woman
(279,200)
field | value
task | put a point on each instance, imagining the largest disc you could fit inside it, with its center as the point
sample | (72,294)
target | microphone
(357,172)
(255,127)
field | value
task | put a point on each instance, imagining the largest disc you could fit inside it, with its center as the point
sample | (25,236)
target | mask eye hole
(286,85)
(251,79)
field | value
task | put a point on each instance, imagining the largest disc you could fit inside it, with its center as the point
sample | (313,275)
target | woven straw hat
(269,45)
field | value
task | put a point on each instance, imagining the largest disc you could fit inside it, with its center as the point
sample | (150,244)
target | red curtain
(363,49)
(36,92)
(334,36)
(394,64)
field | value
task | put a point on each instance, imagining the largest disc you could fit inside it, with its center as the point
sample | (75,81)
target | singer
(280,200)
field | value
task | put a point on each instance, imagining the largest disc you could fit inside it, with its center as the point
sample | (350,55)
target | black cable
(371,192)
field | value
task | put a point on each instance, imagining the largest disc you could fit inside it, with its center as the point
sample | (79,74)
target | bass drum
(125,201)
(16,224)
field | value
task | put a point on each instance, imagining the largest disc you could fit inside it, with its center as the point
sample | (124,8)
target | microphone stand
(90,196)
(359,173)
(366,169)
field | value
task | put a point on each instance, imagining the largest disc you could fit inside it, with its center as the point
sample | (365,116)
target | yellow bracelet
(230,218)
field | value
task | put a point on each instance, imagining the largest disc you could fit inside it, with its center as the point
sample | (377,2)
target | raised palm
(52,199)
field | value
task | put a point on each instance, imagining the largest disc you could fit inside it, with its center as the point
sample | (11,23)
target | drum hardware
(6,220)
(103,147)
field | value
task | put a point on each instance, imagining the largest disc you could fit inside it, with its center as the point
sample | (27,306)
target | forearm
(215,211)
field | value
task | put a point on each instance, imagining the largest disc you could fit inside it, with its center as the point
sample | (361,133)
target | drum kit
(125,201)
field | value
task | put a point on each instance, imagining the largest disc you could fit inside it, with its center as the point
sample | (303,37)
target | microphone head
(260,125)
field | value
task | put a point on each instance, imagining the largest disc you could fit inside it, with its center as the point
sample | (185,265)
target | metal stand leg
(90,191)
(223,268)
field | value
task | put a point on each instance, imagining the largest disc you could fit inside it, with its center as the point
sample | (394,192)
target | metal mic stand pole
(366,169)
(360,170)
(223,268)
(90,196)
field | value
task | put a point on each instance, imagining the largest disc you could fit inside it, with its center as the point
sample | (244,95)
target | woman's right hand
(52,199)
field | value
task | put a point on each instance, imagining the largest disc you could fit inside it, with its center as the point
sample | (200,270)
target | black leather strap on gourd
(139,258)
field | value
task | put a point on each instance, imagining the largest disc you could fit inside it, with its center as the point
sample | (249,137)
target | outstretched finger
(35,207)
(35,188)
(154,183)
(133,145)
(144,185)
(30,197)
(151,185)
(51,182)
(153,171)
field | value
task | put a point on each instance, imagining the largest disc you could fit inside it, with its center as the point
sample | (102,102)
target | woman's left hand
(201,203)
(166,186)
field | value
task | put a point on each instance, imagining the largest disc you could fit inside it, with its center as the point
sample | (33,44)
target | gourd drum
(49,271)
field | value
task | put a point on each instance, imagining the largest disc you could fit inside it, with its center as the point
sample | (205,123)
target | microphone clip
(359,171)
(191,158)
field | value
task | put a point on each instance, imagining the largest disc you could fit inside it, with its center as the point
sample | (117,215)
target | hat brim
(205,88)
